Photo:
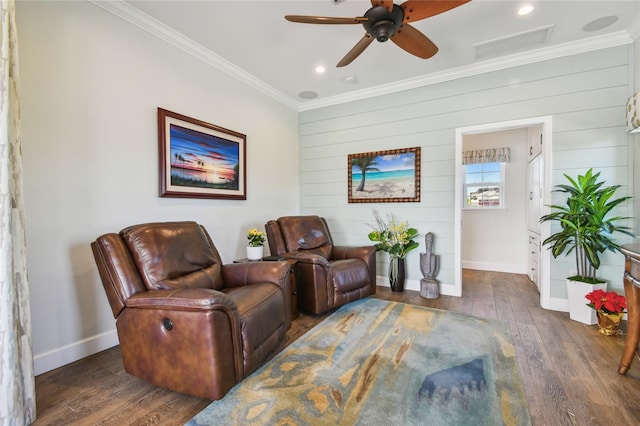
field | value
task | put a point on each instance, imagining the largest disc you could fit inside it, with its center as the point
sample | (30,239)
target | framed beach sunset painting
(391,176)
(200,160)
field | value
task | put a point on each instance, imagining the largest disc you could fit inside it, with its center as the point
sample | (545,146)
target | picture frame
(200,160)
(391,176)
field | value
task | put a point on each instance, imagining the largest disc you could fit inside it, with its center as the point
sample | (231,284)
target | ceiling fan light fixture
(382,30)
(381,23)
(388,20)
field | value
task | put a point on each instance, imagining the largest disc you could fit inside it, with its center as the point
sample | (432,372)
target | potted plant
(585,229)
(396,238)
(609,307)
(256,244)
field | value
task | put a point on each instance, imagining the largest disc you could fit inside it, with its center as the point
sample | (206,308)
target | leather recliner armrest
(348,252)
(188,340)
(242,274)
(366,253)
(184,299)
(277,273)
(305,257)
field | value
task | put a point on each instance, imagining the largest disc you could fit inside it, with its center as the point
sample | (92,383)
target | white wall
(496,240)
(91,84)
(585,94)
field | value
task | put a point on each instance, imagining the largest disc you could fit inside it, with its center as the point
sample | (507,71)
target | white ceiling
(253,41)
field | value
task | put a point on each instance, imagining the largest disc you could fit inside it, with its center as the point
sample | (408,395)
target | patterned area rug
(374,362)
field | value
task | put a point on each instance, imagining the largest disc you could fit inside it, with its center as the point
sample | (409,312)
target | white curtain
(491,155)
(17,385)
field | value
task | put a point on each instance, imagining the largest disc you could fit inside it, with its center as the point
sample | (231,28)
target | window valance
(491,155)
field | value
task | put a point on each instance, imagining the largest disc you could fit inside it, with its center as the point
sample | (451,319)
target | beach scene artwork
(200,160)
(385,176)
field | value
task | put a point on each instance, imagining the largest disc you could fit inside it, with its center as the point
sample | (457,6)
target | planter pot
(396,274)
(254,253)
(609,324)
(578,309)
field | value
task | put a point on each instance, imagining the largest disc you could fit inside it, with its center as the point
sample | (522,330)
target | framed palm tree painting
(391,176)
(199,159)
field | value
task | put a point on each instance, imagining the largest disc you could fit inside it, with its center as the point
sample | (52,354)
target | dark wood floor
(568,369)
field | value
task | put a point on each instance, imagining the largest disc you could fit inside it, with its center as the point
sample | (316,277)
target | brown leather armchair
(328,276)
(185,321)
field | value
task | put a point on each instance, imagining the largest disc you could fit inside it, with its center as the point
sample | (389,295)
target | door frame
(545,230)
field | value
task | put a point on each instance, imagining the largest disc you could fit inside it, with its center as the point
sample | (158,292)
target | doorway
(545,261)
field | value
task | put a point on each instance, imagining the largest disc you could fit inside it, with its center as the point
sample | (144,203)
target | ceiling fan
(386,20)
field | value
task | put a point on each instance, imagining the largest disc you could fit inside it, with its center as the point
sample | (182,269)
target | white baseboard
(445,289)
(62,356)
(496,267)
(556,304)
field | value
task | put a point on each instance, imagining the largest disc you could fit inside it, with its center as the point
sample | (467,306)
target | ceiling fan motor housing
(383,24)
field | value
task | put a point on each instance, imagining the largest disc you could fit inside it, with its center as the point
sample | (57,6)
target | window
(483,185)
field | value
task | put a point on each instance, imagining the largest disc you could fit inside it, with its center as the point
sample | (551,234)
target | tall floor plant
(585,225)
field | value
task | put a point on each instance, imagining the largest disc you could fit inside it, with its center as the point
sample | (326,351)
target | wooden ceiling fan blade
(415,10)
(356,50)
(414,42)
(324,19)
(387,4)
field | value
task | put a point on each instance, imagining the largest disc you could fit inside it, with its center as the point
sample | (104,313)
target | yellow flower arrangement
(255,237)
(396,238)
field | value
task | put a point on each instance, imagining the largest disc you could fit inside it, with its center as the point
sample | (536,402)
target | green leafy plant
(396,238)
(584,223)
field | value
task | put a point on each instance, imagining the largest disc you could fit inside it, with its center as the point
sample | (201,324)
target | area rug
(374,362)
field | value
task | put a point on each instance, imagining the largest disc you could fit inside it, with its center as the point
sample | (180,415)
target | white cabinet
(535,178)
(534,193)
(534,258)
(534,140)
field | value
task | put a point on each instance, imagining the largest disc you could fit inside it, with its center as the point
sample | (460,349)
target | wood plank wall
(585,94)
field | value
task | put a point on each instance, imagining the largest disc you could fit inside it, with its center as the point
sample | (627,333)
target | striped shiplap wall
(585,94)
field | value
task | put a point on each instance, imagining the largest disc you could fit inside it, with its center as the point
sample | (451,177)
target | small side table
(632,294)
(293,284)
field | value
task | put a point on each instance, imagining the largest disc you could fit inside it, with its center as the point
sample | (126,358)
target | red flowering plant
(608,302)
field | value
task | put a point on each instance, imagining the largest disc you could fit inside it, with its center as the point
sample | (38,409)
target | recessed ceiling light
(600,23)
(352,79)
(525,10)
(320,69)
(307,94)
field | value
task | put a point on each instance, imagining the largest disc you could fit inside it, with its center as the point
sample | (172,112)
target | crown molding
(153,26)
(518,59)
(168,34)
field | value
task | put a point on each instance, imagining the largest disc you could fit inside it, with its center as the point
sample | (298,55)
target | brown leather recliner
(185,321)
(328,276)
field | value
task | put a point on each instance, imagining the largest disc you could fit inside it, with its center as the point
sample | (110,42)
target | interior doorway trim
(545,231)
